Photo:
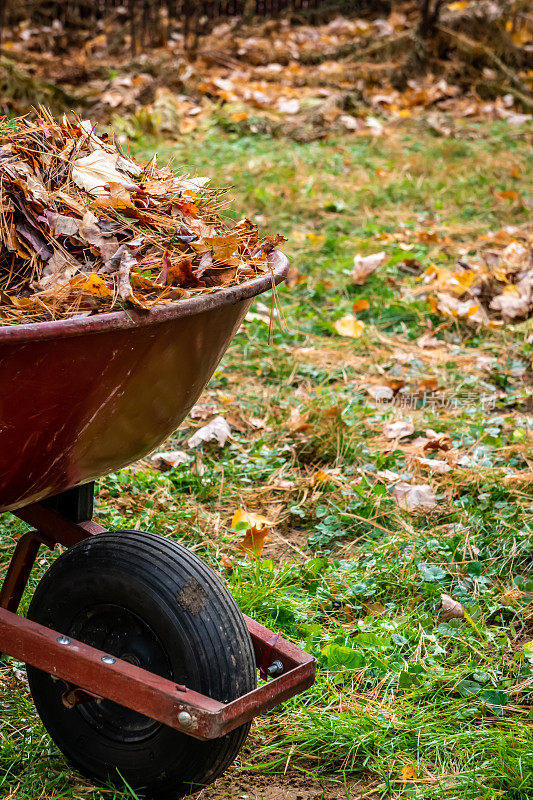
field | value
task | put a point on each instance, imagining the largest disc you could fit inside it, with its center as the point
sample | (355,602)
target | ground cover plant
(373,499)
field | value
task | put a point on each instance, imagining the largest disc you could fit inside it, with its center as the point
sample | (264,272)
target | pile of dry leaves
(84,228)
(494,287)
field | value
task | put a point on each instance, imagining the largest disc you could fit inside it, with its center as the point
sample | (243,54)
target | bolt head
(185,719)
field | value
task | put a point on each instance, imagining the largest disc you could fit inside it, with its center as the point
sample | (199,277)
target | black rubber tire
(158,600)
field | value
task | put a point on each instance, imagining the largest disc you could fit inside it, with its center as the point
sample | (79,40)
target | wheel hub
(124,635)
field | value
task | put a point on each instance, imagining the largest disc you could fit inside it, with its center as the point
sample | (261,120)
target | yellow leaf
(403,113)
(458,5)
(94,285)
(409,772)
(462,280)
(349,326)
(314,238)
(360,305)
(239,116)
(250,518)
(319,477)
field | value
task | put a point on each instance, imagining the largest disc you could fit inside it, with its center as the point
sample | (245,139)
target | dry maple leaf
(299,421)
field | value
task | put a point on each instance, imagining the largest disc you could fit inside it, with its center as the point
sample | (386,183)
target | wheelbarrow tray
(83,397)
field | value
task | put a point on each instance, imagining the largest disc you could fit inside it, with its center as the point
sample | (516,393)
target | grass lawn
(405,703)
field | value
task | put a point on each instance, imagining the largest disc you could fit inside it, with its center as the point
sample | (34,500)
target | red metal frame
(101,675)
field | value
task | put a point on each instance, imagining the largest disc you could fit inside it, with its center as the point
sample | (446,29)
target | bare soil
(292,786)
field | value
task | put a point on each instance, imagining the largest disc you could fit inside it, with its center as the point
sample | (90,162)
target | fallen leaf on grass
(412,497)
(254,541)
(360,305)
(434,464)
(409,773)
(250,519)
(349,326)
(203,410)
(398,429)
(364,266)
(170,460)
(320,476)
(437,441)
(451,609)
(516,299)
(380,393)
(218,430)
(299,421)
(374,608)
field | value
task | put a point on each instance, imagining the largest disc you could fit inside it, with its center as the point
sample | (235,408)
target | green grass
(360,580)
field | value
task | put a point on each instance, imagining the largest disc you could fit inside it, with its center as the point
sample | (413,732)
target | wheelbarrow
(141,666)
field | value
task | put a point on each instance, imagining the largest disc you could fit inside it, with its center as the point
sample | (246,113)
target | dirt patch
(293,786)
(289,544)
(192,596)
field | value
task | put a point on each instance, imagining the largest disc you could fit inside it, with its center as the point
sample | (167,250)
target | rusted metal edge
(135,319)
(158,698)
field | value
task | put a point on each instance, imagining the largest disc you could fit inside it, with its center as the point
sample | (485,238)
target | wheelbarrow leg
(19,570)
(64,519)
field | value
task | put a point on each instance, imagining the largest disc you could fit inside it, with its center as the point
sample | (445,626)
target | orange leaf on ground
(254,540)
(360,305)
(409,772)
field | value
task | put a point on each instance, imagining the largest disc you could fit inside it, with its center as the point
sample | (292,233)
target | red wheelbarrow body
(80,398)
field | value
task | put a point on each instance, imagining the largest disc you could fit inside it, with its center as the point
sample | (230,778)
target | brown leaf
(180,273)
(364,266)
(451,609)
(398,429)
